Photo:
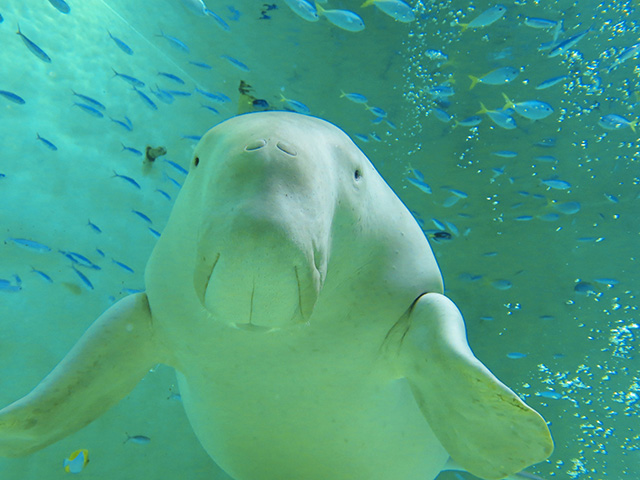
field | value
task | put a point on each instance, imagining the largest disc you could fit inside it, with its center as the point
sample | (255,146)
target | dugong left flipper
(481,423)
(102,368)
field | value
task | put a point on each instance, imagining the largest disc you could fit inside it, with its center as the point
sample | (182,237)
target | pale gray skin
(302,308)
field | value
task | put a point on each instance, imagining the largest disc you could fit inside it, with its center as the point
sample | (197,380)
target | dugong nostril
(287,148)
(255,145)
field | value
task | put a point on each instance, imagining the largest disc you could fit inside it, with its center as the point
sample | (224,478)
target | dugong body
(302,308)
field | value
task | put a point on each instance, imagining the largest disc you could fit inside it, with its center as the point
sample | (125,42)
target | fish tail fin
(474,81)
(483,109)
(633,125)
(509,103)
(319,8)
(367,3)
(464,26)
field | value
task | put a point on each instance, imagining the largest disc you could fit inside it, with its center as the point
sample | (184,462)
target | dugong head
(274,204)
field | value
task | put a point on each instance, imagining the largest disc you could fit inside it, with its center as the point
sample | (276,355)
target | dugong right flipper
(482,424)
(102,368)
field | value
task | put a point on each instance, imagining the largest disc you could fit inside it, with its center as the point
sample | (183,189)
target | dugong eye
(357,175)
(196,161)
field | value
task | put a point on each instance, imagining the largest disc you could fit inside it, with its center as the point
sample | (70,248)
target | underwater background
(532,207)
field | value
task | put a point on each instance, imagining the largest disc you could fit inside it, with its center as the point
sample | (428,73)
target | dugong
(303,311)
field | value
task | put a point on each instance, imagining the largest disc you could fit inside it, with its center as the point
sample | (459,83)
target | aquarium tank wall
(510,132)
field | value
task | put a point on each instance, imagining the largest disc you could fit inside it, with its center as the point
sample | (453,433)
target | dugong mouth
(270,296)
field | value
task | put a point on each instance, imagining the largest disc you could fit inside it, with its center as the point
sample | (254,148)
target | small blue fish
(164,194)
(76,461)
(211,109)
(176,43)
(584,288)
(12,96)
(41,274)
(505,153)
(195,138)
(471,121)
(46,142)
(83,277)
(626,54)
(550,394)
(90,110)
(499,76)
(501,284)
(354,97)
(148,102)
(616,122)
(236,63)
(206,66)
(450,202)
(131,149)
(123,266)
(124,124)
(177,166)
(94,227)
(304,9)
(132,291)
(543,23)
(127,179)
(128,78)
(121,45)
(139,439)
(611,197)
(90,100)
(178,93)
(295,105)
(486,18)
(7,286)
(142,216)
(221,23)
(61,6)
(551,82)
(1,19)
(162,95)
(531,109)
(420,184)
(546,142)
(564,46)
(155,233)
(33,48)
(458,193)
(30,244)
(441,115)
(171,76)
(516,355)
(568,208)
(172,180)
(556,184)
(377,111)
(502,118)
(217,96)
(344,19)
(396,9)
(100,252)
(79,259)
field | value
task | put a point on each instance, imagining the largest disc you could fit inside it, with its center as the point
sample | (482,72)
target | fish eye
(357,174)
(196,161)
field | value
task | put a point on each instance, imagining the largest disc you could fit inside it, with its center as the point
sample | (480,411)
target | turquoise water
(549,296)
